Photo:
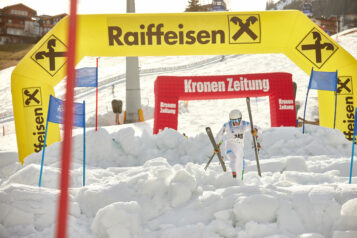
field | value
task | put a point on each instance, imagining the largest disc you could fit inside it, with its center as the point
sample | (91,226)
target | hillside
(320,8)
(10,55)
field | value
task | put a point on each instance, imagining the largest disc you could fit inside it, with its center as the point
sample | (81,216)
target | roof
(20,4)
(45,17)
(60,15)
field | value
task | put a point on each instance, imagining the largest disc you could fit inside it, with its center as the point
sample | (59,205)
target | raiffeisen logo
(32,100)
(155,34)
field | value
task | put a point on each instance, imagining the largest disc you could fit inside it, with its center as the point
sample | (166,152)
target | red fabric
(68,117)
(170,89)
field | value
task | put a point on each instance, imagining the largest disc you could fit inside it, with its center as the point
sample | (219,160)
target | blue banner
(56,109)
(323,81)
(86,77)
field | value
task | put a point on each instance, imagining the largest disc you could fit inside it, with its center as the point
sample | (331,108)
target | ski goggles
(236,120)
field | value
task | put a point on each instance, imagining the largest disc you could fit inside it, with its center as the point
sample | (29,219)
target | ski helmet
(235,116)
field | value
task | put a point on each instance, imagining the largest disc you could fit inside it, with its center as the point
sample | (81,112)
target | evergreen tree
(270,5)
(193,6)
(326,8)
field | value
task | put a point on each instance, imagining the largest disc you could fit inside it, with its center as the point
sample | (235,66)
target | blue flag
(55,114)
(56,109)
(323,81)
(86,77)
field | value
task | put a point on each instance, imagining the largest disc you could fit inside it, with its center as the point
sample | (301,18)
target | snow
(144,185)
(282,3)
(122,218)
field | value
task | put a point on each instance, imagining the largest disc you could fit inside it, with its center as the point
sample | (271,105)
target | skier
(235,129)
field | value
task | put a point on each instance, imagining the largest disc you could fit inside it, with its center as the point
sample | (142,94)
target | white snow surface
(144,185)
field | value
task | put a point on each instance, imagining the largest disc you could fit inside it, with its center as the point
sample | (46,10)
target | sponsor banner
(278,86)
(170,108)
(228,85)
(184,31)
(348,113)
(51,55)
(345,107)
(33,103)
(286,104)
(345,94)
(317,48)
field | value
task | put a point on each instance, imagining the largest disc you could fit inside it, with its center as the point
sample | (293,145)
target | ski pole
(254,139)
(209,161)
(243,168)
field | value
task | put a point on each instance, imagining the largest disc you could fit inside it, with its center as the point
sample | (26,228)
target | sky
(44,7)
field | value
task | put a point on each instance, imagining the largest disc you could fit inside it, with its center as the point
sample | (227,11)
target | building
(349,21)
(331,25)
(17,24)
(20,24)
(48,22)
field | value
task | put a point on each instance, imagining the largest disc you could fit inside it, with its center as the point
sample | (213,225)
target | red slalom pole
(68,118)
(96,102)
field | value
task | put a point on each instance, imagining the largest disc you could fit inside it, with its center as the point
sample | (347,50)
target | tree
(193,6)
(270,5)
(320,8)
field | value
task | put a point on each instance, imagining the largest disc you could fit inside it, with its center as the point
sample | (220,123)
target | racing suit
(234,145)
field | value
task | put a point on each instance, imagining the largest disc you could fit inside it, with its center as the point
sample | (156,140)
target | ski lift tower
(133,97)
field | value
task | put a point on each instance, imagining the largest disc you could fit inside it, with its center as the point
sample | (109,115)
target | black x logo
(343,85)
(31,97)
(51,54)
(318,46)
(244,27)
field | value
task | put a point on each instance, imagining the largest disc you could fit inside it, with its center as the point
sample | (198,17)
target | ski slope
(144,185)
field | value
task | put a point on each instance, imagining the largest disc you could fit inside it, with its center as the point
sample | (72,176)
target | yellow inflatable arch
(287,32)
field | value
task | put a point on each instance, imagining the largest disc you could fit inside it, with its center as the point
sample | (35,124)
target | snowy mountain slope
(282,3)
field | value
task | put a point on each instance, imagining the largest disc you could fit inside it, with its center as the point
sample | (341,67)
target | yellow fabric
(213,33)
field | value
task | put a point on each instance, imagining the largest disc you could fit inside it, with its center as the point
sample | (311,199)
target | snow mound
(122,218)
(315,141)
(250,209)
(348,220)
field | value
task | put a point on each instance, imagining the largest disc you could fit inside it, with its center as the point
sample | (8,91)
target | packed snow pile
(124,148)
(144,185)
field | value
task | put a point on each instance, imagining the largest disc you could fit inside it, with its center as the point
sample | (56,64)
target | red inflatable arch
(170,89)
